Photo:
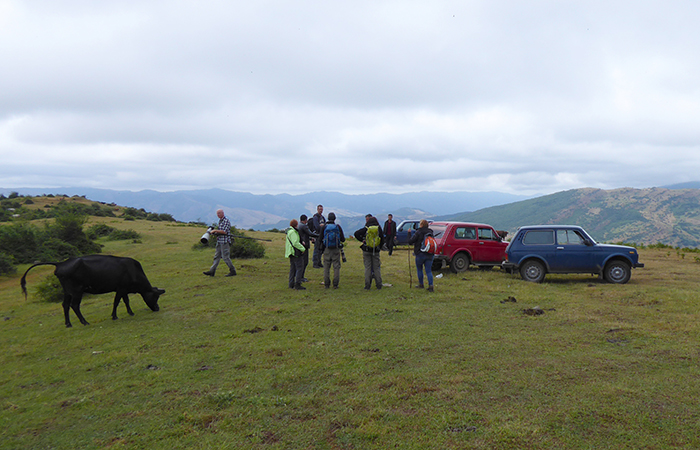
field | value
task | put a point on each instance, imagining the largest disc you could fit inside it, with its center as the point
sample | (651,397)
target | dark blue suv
(540,249)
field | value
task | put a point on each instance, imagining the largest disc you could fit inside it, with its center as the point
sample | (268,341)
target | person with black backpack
(424,253)
(372,239)
(332,241)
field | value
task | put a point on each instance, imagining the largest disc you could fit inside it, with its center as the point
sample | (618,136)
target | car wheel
(617,272)
(532,271)
(459,263)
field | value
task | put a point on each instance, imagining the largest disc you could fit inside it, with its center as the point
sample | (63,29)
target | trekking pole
(410,274)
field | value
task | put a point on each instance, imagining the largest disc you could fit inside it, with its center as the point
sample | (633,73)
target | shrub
(99,230)
(49,290)
(7,264)
(120,235)
(247,248)
(241,248)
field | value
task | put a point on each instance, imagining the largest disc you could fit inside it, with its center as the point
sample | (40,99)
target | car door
(539,243)
(402,231)
(460,237)
(489,246)
(572,254)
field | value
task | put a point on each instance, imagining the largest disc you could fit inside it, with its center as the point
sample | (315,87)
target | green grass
(246,363)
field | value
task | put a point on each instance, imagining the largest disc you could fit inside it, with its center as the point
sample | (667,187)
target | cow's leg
(66,309)
(75,304)
(128,306)
(117,298)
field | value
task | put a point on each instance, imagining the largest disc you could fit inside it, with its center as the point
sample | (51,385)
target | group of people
(328,239)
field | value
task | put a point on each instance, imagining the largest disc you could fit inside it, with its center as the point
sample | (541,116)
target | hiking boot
(419,286)
(299,287)
(208,273)
(231,274)
(430,289)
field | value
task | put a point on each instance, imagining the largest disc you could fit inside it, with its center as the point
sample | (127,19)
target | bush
(7,264)
(20,241)
(49,290)
(69,228)
(99,230)
(241,248)
(121,235)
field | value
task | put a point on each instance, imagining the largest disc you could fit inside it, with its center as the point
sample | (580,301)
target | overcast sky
(527,97)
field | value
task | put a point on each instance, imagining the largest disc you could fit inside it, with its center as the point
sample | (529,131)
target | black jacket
(390,229)
(362,232)
(418,237)
(305,233)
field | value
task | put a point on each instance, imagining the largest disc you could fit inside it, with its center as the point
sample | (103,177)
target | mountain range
(668,215)
(264,212)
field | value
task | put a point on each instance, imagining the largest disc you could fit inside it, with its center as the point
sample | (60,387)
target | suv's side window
(465,233)
(539,237)
(408,226)
(487,234)
(569,237)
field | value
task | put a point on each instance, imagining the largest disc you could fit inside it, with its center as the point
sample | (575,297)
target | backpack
(429,245)
(331,236)
(372,238)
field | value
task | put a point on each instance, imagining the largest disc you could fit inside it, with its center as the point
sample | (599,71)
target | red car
(461,244)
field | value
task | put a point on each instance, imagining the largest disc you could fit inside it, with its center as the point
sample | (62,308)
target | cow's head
(151,298)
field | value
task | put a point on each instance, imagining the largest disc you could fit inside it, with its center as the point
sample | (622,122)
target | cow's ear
(159,291)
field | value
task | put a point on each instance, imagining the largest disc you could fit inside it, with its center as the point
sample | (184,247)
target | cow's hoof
(69,325)
(114,317)
(131,313)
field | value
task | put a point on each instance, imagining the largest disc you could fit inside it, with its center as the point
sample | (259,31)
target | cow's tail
(23,281)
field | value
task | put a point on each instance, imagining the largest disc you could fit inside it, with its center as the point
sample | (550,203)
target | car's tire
(532,271)
(617,272)
(459,263)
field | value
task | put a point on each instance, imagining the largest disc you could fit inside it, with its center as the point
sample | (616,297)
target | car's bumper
(509,266)
(638,265)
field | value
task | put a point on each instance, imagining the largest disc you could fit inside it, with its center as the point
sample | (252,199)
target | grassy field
(246,363)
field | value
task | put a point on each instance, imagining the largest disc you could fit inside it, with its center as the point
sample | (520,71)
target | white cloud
(381,96)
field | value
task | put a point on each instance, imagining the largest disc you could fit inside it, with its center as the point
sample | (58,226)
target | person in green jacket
(294,250)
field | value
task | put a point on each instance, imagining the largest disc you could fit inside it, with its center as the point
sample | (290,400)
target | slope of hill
(647,216)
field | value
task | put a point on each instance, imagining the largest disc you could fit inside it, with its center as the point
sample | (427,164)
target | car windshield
(438,231)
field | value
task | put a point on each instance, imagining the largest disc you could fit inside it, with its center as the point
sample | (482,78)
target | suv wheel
(532,271)
(617,272)
(459,263)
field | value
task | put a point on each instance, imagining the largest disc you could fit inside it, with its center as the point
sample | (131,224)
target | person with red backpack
(372,239)
(424,249)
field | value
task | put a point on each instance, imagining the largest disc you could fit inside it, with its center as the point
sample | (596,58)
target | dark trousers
(390,244)
(296,270)
(317,253)
(372,269)
(305,258)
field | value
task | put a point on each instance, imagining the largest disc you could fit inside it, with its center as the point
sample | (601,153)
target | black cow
(99,274)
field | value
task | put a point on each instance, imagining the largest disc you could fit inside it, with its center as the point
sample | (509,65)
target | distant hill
(263,212)
(645,216)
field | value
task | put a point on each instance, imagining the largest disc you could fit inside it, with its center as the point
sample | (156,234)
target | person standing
(305,234)
(372,240)
(223,245)
(424,260)
(333,238)
(318,222)
(294,250)
(390,233)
